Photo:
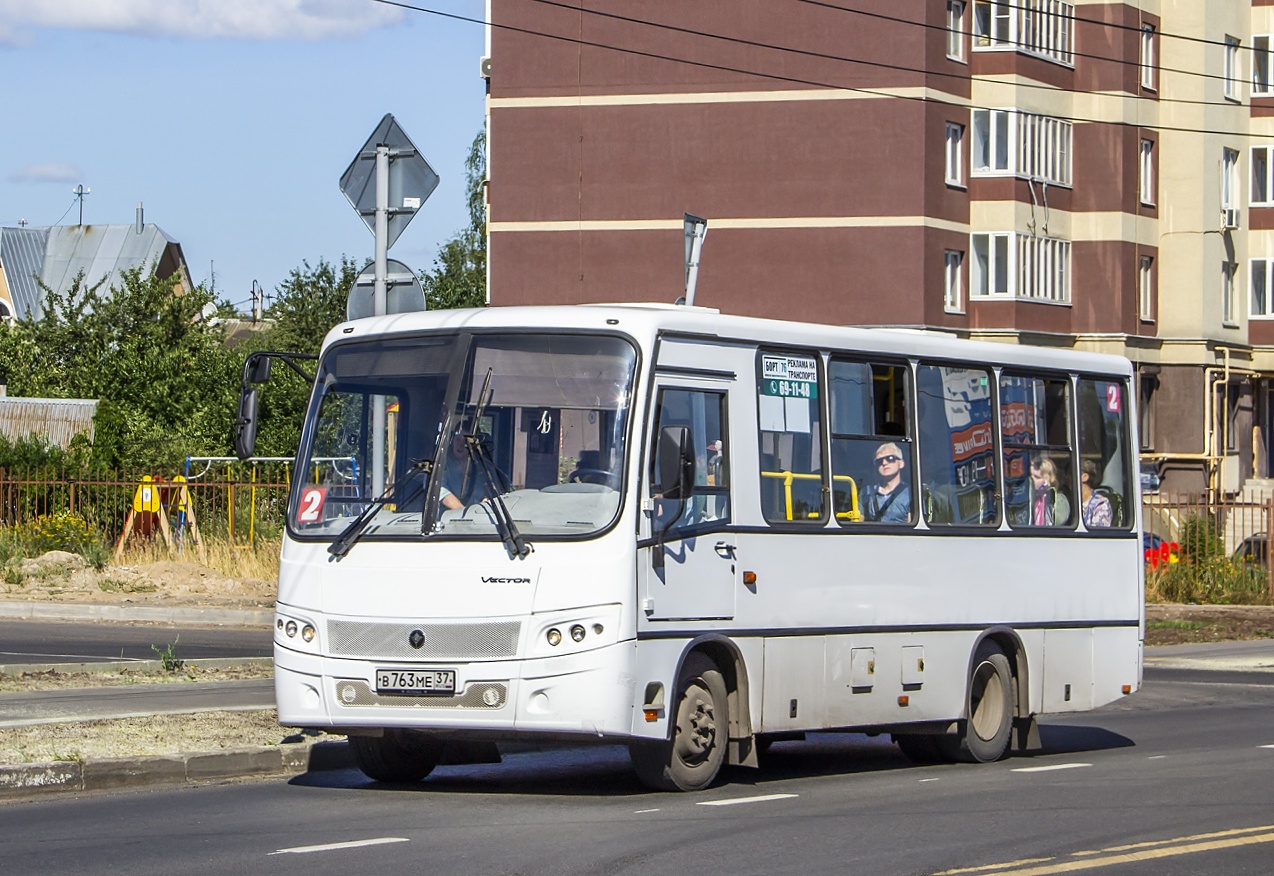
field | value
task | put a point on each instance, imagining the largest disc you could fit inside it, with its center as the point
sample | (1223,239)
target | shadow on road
(605,771)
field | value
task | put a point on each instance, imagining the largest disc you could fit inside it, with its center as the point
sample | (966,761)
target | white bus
(696,533)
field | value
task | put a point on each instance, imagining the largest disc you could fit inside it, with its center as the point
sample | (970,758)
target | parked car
(1254,549)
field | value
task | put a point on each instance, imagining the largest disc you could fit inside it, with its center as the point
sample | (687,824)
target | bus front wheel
(692,757)
(399,756)
(984,736)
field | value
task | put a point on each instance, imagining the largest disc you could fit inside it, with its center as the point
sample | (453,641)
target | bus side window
(789,408)
(704,414)
(872,457)
(1104,454)
(1039,482)
(957,446)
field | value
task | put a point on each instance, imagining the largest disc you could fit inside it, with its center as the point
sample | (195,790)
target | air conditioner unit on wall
(484,67)
(1230,217)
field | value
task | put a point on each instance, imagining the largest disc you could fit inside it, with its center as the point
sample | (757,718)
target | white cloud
(200,19)
(47,173)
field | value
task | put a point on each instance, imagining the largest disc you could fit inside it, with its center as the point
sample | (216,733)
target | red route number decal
(1112,399)
(310,508)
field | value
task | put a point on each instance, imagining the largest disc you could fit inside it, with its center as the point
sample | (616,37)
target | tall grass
(259,560)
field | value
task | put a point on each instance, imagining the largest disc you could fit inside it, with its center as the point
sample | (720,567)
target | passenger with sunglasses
(889,499)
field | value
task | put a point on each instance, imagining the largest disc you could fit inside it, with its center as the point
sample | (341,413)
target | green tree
(160,371)
(459,275)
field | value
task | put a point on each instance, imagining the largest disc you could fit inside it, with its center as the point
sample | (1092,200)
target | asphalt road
(27,642)
(1174,780)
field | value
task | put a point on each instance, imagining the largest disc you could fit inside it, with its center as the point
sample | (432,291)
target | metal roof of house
(56,420)
(58,254)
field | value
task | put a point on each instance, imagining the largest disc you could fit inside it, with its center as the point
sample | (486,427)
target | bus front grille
(487,640)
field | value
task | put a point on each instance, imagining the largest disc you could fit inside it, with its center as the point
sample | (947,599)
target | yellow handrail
(853,514)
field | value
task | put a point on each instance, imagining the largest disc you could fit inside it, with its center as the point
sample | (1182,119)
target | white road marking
(922,781)
(1267,746)
(644,811)
(736,800)
(329,847)
(1157,757)
(1053,768)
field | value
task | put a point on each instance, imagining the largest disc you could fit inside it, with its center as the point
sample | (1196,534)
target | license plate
(415,681)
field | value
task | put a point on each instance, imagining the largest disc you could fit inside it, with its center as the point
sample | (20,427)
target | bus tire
(400,756)
(692,757)
(984,736)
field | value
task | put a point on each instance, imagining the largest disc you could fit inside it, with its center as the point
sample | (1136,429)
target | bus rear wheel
(984,736)
(399,756)
(692,757)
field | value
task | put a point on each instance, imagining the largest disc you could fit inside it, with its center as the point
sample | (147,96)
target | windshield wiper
(514,542)
(493,478)
(351,534)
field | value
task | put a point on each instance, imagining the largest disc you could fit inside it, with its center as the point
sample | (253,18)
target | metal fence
(1240,528)
(236,501)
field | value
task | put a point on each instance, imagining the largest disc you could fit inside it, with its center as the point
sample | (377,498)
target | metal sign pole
(378,309)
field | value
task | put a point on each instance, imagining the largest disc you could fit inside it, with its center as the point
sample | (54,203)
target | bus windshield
(462,435)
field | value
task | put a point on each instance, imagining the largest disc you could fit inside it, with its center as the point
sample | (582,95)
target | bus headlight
(555,637)
(307,633)
(290,629)
(577,633)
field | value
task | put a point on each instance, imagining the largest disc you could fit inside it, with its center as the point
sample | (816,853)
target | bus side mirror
(676,462)
(245,426)
(257,369)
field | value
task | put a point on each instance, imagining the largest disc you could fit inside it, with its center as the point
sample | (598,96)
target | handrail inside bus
(853,514)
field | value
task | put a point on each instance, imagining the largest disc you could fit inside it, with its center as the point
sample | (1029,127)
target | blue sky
(232,121)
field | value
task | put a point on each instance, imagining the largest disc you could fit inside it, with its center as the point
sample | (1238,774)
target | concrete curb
(16,669)
(97,774)
(74,611)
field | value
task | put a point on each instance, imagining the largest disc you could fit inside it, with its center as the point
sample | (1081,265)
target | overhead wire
(797,80)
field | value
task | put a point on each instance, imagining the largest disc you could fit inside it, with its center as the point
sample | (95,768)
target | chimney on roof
(139,217)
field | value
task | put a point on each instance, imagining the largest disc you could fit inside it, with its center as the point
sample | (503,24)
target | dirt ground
(64,577)
(1179,624)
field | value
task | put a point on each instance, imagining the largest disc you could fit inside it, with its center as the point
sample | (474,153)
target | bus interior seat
(1116,504)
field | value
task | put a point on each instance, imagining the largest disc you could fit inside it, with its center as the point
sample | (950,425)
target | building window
(1262,184)
(1148,71)
(1260,65)
(955,154)
(1146,289)
(1036,27)
(1010,142)
(955,30)
(1229,188)
(1009,265)
(1232,67)
(1229,312)
(952,285)
(1261,308)
(1147,176)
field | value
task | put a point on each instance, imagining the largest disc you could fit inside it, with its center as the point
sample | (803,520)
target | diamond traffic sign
(411,179)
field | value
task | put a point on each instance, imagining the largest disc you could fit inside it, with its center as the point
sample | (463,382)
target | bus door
(689,566)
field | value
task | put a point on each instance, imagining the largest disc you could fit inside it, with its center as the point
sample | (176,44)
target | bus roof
(646,321)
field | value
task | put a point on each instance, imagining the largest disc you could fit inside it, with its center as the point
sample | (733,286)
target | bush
(62,531)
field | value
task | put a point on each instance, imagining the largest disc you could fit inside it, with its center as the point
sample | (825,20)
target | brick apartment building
(1075,174)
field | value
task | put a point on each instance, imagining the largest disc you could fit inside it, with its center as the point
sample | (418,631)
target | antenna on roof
(80,191)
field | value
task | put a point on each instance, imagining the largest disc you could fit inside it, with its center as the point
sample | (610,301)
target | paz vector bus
(694,533)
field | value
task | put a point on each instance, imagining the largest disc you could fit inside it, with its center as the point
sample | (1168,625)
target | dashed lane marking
(331,847)
(1052,768)
(737,800)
